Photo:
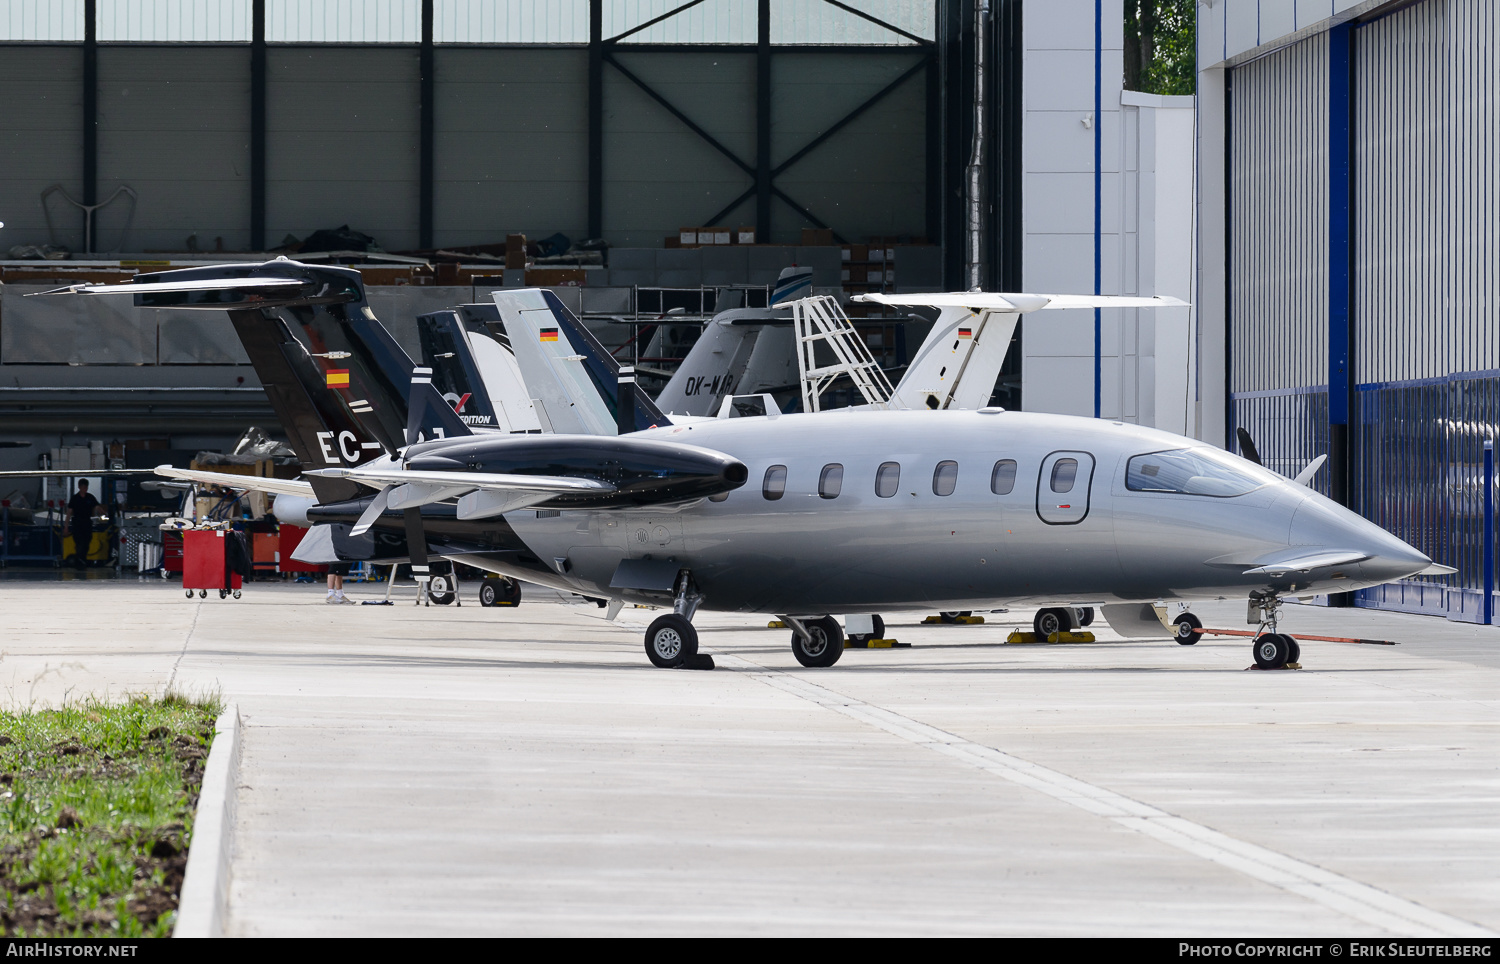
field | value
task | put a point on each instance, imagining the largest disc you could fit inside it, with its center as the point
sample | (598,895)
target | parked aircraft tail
(455,370)
(573,382)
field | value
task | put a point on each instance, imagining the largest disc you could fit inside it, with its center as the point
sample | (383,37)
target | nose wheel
(816,643)
(1272,650)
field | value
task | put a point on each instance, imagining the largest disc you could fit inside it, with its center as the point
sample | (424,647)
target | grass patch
(96,811)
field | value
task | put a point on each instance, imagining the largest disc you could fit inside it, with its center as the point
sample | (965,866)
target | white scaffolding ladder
(819,319)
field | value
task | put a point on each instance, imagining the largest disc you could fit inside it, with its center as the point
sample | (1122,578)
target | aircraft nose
(1318,521)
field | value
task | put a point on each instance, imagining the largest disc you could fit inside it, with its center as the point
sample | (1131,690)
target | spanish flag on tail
(337,377)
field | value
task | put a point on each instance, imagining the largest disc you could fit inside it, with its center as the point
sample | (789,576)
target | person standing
(336,574)
(82,508)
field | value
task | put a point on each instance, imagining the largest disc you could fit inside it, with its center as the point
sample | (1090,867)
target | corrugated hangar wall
(510,143)
(1278,222)
(43,142)
(1363,265)
(342,128)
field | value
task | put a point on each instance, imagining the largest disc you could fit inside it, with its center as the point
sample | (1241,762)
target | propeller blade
(375,511)
(416,550)
(1247,446)
(1306,475)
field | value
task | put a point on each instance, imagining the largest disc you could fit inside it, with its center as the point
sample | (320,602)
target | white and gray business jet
(845,512)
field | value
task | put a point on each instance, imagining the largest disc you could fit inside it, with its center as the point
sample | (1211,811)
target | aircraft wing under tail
(249,483)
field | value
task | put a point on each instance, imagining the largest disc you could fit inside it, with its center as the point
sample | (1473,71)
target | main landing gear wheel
(825,645)
(1295,651)
(1272,650)
(1084,615)
(440,590)
(948,617)
(671,641)
(499,592)
(1049,621)
(863,638)
(1182,629)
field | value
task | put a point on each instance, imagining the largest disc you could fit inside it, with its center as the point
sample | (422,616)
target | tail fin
(324,431)
(498,371)
(718,360)
(455,373)
(329,368)
(791,284)
(567,371)
(429,416)
(959,362)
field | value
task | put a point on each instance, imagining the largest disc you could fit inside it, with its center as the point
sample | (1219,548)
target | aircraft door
(1062,488)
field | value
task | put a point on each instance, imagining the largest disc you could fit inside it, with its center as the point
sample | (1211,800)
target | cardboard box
(819,237)
(718,236)
(688,236)
(515,251)
(745,234)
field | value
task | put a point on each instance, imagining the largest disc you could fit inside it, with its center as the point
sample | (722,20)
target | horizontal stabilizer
(1308,561)
(249,483)
(282,286)
(1023,303)
(1437,569)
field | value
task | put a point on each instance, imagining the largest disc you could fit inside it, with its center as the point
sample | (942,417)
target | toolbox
(205,563)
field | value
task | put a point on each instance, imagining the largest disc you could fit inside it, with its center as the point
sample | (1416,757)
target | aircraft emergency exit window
(1064,472)
(944,478)
(831,480)
(1189,472)
(774,487)
(1003,477)
(887,479)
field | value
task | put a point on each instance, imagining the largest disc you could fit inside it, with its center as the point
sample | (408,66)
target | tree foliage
(1160,44)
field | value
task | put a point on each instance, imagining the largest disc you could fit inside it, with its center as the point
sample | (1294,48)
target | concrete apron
(416,770)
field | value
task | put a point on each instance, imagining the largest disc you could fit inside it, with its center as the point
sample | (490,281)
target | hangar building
(1348,260)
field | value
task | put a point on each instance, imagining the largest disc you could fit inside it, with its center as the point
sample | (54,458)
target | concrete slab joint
(204,904)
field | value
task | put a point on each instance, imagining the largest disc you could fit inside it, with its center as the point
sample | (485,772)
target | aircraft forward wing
(1308,561)
(480,495)
(1019,302)
(250,483)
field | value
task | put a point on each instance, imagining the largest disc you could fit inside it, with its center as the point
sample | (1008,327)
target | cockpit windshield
(1192,472)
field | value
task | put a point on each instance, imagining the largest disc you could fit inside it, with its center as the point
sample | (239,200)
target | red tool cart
(171,545)
(205,564)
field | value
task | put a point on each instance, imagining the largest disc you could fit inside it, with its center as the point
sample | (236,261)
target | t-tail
(572,380)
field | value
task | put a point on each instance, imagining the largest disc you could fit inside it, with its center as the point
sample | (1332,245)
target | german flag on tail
(548,334)
(337,377)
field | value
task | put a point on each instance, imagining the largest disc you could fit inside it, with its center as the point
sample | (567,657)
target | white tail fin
(959,362)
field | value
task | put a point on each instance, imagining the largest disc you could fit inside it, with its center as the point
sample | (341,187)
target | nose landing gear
(1272,650)
(671,640)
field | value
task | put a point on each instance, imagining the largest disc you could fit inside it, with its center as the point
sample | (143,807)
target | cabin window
(1003,477)
(774,487)
(831,480)
(1064,473)
(887,479)
(944,478)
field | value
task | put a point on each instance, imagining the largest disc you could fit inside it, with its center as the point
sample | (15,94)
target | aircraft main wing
(1018,302)
(250,483)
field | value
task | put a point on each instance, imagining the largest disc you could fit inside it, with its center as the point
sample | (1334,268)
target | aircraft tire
(879,632)
(952,617)
(1184,626)
(1271,650)
(671,641)
(826,645)
(1295,650)
(1086,617)
(499,591)
(1049,621)
(440,591)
